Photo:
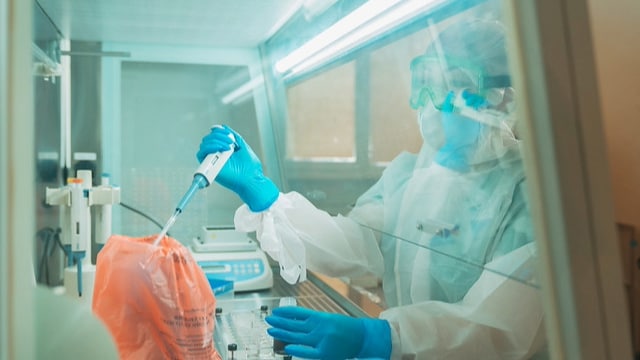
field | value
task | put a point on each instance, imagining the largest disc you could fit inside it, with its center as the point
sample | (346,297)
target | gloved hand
(461,133)
(312,334)
(242,173)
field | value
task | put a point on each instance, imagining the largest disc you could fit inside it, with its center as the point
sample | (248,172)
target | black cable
(56,237)
(43,235)
(59,242)
(50,237)
(148,217)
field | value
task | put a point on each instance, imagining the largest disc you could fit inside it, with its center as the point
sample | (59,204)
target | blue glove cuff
(377,339)
(260,194)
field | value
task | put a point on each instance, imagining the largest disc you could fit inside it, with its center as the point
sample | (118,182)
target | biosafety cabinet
(327,95)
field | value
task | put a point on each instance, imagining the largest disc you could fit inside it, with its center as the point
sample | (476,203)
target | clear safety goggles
(432,79)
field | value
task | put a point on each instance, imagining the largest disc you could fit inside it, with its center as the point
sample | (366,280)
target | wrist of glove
(312,334)
(259,193)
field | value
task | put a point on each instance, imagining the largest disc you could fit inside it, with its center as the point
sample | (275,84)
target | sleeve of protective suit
(298,236)
(499,318)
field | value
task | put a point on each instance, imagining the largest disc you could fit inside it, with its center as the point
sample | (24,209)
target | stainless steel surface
(240,318)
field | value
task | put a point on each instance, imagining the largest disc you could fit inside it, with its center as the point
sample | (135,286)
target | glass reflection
(401,174)
(166,109)
(440,215)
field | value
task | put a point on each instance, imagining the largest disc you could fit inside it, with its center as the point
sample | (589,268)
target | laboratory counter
(240,331)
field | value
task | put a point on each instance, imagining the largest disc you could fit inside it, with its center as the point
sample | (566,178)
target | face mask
(474,136)
(430,123)
(469,142)
(462,138)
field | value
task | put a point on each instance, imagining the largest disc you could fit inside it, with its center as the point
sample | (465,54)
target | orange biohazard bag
(155,300)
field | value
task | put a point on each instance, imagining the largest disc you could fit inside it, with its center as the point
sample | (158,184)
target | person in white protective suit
(458,269)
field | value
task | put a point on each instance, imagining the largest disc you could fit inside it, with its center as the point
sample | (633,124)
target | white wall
(616,34)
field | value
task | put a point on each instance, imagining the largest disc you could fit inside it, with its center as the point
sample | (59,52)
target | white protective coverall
(440,307)
(454,249)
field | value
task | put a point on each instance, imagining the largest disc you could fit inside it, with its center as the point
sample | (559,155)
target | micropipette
(203,177)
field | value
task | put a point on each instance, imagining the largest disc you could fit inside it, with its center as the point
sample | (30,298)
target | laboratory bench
(240,330)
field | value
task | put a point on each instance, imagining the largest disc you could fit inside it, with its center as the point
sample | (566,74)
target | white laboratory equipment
(75,200)
(227,254)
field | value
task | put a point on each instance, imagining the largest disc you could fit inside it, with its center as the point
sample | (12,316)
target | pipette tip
(157,240)
(164,231)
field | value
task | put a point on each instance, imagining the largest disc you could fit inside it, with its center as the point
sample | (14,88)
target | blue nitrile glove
(312,334)
(461,133)
(242,173)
